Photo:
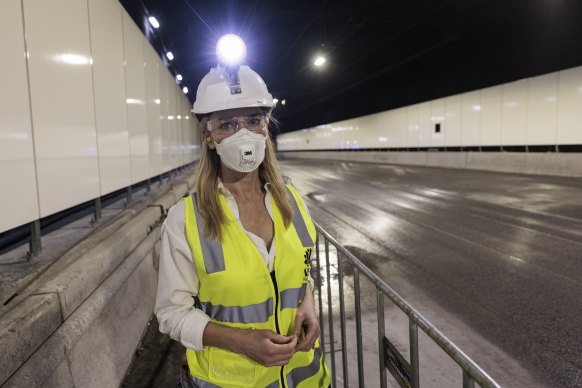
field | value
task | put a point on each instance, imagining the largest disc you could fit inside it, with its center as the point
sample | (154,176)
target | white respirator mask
(243,152)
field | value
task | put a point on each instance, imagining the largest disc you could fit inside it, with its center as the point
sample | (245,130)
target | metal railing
(410,370)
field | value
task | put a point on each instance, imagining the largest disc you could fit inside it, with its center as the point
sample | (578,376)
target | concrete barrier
(446,159)
(551,163)
(81,325)
(25,328)
(94,346)
(558,164)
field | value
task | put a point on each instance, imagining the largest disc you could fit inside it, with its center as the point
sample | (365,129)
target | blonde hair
(208,173)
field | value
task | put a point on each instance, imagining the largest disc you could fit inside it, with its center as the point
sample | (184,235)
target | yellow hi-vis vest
(237,290)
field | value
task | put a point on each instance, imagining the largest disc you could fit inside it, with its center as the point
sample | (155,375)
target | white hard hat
(216,92)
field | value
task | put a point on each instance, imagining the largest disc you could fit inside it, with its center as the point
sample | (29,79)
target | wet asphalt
(501,252)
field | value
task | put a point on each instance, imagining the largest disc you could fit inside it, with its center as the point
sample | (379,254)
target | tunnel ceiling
(380,54)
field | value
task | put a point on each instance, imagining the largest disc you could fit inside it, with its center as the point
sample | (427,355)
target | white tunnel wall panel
(514,113)
(355,134)
(412,130)
(152,83)
(17,168)
(437,116)
(569,129)
(470,118)
(73,103)
(491,101)
(174,126)
(135,100)
(63,115)
(164,118)
(542,109)
(425,125)
(399,127)
(183,134)
(105,19)
(452,133)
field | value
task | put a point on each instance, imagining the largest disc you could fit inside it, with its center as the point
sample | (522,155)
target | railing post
(97,209)
(35,243)
(468,381)
(320,298)
(359,327)
(342,317)
(380,312)
(330,314)
(413,336)
(129,195)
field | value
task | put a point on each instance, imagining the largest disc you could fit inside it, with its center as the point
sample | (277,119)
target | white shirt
(178,280)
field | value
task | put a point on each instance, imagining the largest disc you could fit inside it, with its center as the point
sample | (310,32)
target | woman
(234,283)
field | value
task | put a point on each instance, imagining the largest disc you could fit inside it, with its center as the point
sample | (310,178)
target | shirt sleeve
(178,284)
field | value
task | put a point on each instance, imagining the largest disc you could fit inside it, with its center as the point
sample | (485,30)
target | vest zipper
(274,280)
(276,302)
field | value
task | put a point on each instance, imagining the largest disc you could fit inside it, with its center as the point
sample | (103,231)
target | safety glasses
(228,126)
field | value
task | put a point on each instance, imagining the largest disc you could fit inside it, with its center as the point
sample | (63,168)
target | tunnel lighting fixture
(179,78)
(170,55)
(231,49)
(283,102)
(154,22)
(185,90)
(476,108)
(157,101)
(275,101)
(319,61)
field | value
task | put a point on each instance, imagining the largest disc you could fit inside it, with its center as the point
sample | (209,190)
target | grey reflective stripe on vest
(300,374)
(290,297)
(253,313)
(274,384)
(198,383)
(299,223)
(211,249)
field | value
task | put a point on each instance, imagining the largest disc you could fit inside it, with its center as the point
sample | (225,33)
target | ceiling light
(283,102)
(319,61)
(185,90)
(170,55)
(231,49)
(154,22)
(275,100)
(179,78)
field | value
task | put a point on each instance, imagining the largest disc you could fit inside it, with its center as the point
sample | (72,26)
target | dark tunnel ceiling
(380,54)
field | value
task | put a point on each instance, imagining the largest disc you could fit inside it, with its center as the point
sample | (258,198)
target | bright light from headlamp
(231,49)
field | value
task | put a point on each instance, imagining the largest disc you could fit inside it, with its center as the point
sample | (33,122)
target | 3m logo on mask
(247,156)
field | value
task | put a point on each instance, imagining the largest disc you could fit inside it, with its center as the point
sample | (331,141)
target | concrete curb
(79,273)
(25,328)
(47,359)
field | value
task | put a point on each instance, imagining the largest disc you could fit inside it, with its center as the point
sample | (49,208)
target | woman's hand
(268,348)
(306,319)
(263,346)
